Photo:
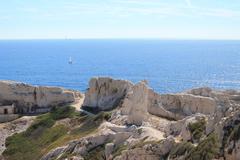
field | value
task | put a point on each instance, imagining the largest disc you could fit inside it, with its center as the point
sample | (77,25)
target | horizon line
(126,38)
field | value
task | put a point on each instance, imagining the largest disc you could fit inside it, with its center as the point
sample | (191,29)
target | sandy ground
(9,128)
(78,103)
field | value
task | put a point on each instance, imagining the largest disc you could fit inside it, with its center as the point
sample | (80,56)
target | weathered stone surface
(178,106)
(135,104)
(8,118)
(147,125)
(141,101)
(151,150)
(106,93)
(108,150)
(27,97)
(54,153)
(10,128)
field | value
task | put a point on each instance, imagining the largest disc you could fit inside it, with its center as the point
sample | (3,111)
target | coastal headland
(117,119)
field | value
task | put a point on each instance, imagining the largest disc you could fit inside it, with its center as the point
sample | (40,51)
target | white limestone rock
(25,96)
(54,153)
(178,106)
(135,104)
(152,150)
(106,93)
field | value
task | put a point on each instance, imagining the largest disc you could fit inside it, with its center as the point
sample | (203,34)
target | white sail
(70,60)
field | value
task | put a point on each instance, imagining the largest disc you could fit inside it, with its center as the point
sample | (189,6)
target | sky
(160,19)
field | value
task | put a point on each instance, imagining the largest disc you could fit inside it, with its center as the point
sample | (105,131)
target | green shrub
(181,149)
(91,123)
(22,147)
(97,153)
(207,149)
(197,129)
(231,133)
(62,112)
(107,115)
(28,145)
(43,135)
(118,150)
(115,90)
(235,133)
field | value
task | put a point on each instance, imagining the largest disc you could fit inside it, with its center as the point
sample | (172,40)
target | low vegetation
(197,129)
(96,153)
(207,149)
(90,124)
(45,135)
(115,90)
(118,150)
(231,134)
(235,134)
(181,149)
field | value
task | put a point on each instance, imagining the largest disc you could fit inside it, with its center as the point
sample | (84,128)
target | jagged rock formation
(105,93)
(135,104)
(29,98)
(197,124)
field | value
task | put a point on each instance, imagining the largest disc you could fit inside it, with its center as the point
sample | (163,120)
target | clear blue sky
(174,19)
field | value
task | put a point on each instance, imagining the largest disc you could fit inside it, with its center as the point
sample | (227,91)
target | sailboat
(70,60)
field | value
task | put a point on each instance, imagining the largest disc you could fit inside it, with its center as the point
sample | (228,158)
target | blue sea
(168,65)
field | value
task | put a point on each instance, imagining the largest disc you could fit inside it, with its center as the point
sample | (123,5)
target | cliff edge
(121,120)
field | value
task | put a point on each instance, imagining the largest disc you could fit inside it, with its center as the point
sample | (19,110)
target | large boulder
(28,98)
(135,104)
(105,93)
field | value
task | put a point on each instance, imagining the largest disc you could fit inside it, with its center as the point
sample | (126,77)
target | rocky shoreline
(200,123)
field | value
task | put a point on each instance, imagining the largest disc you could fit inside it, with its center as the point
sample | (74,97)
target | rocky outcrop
(29,98)
(182,105)
(138,100)
(135,104)
(106,93)
(111,138)
(143,124)
(142,100)
(153,150)
(10,128)
(193,122)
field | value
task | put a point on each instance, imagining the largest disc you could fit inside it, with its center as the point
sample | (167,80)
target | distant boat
(70,60)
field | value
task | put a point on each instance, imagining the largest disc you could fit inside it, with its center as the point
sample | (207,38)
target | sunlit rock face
(138,100)
(171,106)
(135,104)
(28,98)
(106,93)
(142,124)
(178,106)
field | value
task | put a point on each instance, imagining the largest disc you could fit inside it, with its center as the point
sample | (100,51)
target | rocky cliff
(105,93)
(134,122)
(29,98)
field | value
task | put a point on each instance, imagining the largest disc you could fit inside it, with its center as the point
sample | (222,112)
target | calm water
(170,66)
